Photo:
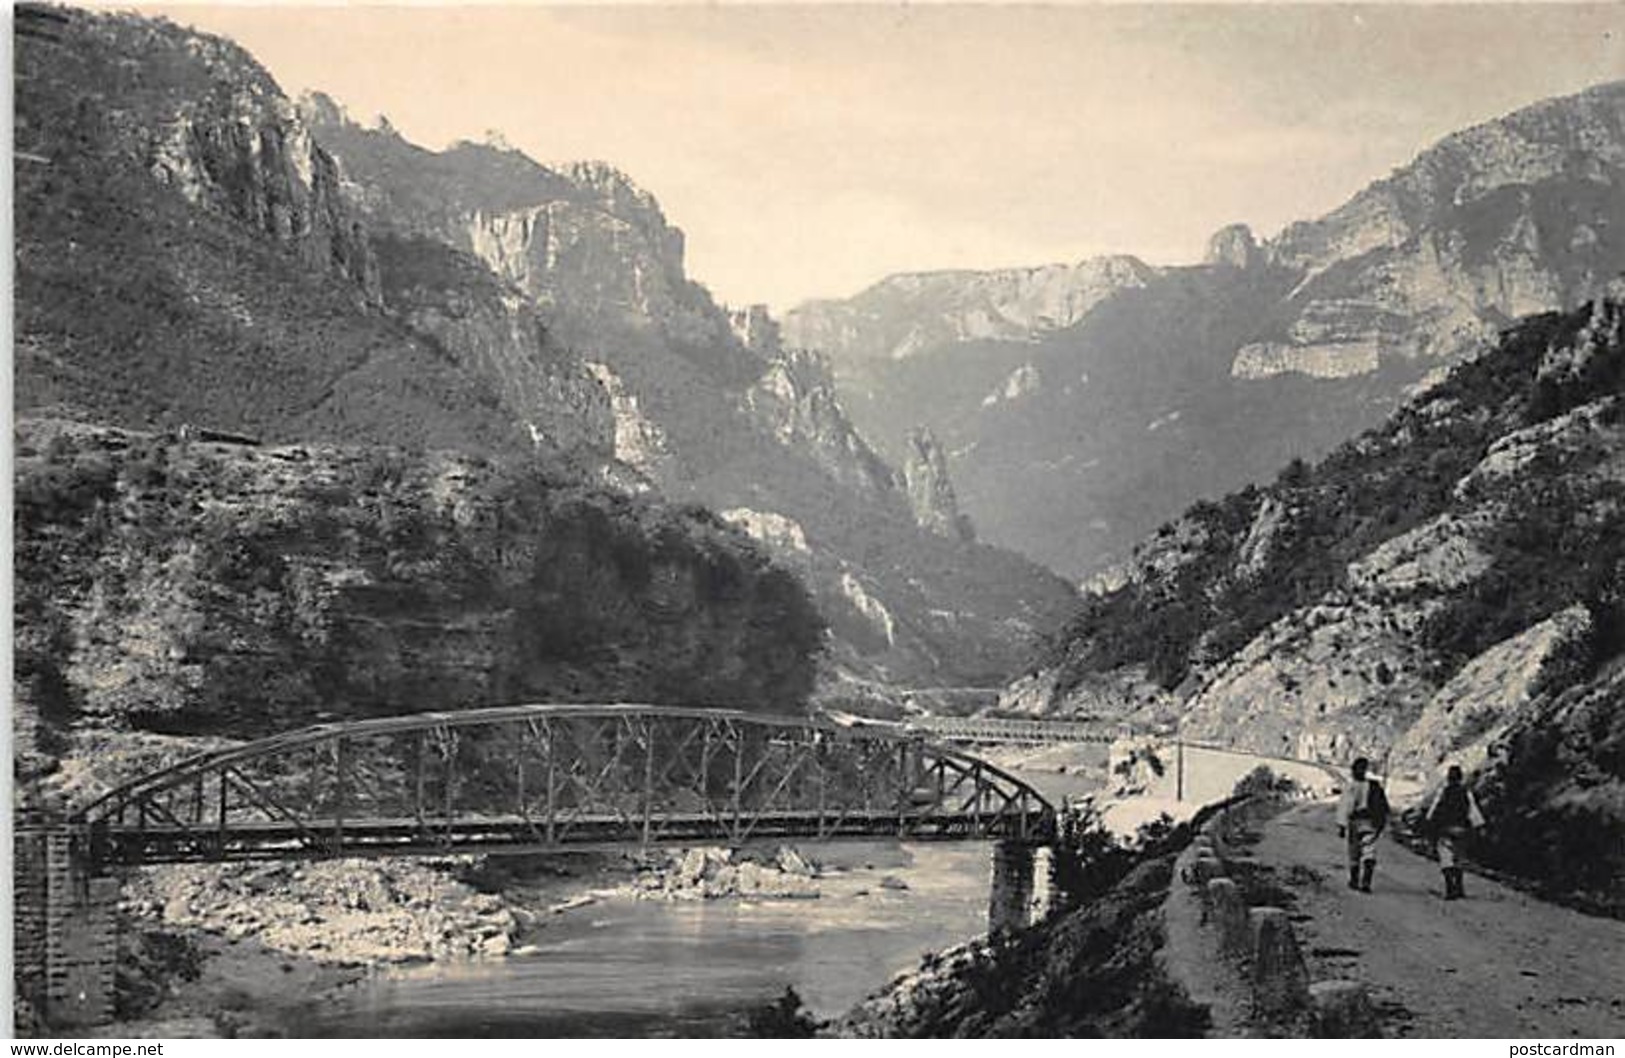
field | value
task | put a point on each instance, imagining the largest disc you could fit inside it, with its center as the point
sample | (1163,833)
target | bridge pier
(1010,899)
(66,931)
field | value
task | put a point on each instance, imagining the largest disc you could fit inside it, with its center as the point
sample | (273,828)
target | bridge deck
(260,840)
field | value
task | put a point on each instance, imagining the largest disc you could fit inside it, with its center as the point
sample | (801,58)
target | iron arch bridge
(556,777)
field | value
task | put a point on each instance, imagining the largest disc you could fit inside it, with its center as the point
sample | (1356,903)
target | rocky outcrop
(783,535)
(1019,383)
(795,400)
(611,244)
(714,874)
(1431,260)
(1480,702)
(756,330)
(639,442)
(1326,683)
(1317,360)
(905,315)
(1234,246)
(930,492)
(872,609)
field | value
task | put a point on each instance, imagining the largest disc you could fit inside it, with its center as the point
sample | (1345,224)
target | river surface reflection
(625,967)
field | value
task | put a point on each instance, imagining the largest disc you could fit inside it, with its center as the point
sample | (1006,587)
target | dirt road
(1498,964)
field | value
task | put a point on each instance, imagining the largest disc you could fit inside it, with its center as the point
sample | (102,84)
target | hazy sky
(810,150)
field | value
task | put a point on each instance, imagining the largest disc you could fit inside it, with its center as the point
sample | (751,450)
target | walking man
(1361,816)
(1452,816)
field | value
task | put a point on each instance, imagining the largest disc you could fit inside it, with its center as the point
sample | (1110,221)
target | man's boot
(1367,869)
(1453,884)
(1449,882)
(1354,876)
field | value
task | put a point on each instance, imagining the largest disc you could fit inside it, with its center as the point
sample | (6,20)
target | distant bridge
(547,777)
(1030,732)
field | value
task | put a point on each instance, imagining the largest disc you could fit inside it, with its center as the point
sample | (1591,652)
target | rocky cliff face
(905,315)
(795,400)
(206,120)
(1075,433)
(1432,593)
(1498,221)
(188,587)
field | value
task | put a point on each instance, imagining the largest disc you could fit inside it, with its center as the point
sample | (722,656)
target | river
(627,967)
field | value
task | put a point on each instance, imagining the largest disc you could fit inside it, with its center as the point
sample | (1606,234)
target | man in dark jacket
(1361,816)
(1451,817)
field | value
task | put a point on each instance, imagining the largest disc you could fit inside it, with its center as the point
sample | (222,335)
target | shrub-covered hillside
(1448,588)
(182,587)
(1205,586)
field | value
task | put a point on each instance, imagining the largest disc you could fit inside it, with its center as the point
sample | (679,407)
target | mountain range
(1083,405)
(199,254)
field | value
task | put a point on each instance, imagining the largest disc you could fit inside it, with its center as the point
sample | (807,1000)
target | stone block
(1280,980)
(1341,1009)
(1227,913)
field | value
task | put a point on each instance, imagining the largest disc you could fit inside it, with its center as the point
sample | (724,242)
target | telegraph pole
(1179,769)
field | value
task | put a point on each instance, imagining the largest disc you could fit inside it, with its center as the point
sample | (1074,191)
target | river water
(626,967)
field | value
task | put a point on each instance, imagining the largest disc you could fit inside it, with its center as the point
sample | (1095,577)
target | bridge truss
(556,777)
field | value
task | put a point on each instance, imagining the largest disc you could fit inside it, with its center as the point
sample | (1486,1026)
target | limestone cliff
(205,119)
(904,315)
(1500,220)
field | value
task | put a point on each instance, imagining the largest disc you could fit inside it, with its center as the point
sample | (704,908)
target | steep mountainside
(170,200)
(1448,588)
(1074,431)
(708,404)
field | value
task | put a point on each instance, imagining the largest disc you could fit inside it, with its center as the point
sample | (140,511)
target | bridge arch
(556,777)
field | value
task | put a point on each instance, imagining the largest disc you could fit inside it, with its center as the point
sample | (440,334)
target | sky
(810,150)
